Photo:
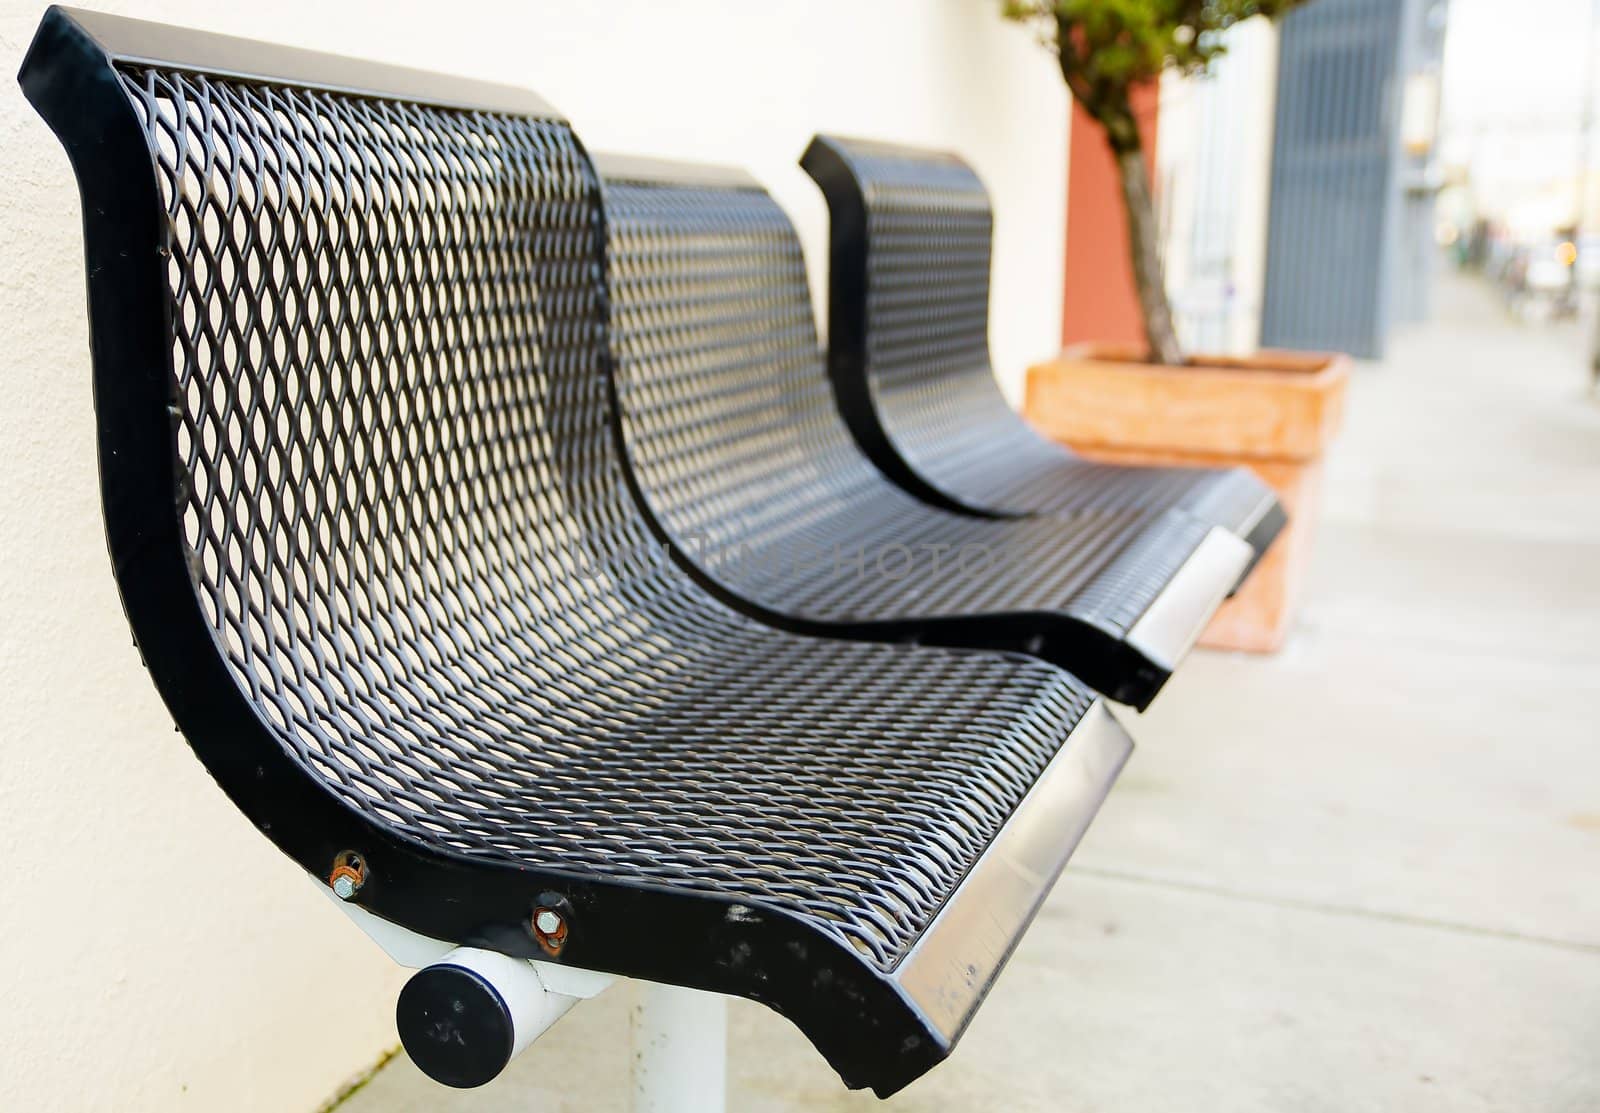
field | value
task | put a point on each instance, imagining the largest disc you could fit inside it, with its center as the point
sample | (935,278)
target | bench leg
(680,1040)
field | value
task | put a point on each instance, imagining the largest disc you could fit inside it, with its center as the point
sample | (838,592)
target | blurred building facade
(1352,189)
(1296,182)
(1213,178)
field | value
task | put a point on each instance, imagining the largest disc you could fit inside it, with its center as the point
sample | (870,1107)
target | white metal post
(680,1051)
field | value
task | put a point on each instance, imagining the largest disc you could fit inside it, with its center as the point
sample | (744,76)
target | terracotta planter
(1275,412)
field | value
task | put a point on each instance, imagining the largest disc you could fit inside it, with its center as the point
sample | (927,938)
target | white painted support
(680,1036)
(407,948)
(680,1051)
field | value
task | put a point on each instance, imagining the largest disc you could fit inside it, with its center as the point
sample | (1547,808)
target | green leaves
(1107,46)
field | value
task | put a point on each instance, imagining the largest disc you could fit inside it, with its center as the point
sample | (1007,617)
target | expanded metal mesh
(734,434)
(926,351)
(409,529)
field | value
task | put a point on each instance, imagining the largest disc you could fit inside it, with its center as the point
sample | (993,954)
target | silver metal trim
(1269,500)
(1172,623)
(951,967)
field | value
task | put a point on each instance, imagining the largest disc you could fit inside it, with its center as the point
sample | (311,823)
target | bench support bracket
(680,1036)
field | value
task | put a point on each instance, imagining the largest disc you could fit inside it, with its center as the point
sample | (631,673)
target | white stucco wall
(157,953)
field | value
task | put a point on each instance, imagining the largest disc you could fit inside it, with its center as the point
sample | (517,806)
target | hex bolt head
(551,923)
(349,874)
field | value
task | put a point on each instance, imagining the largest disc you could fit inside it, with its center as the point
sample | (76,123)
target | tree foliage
(1108,47)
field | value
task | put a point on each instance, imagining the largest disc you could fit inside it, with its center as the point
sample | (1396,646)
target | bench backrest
(910,232)
(354,418)
(727,410)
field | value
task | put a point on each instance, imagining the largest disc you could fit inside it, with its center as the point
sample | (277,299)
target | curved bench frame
(875,1031)
(1128,662)
(879,425)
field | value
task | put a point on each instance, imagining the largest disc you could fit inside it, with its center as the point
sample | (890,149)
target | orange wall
(1099,302)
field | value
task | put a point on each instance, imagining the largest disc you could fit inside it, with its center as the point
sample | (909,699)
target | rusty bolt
(349,874)
(551,923)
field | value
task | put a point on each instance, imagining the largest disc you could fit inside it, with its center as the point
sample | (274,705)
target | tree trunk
(1144,248)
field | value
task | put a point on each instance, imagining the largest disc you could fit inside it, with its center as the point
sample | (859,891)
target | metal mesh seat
(908,352)
(743,458)
(369,518)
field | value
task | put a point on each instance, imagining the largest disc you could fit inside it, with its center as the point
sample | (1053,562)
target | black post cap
(454,1025)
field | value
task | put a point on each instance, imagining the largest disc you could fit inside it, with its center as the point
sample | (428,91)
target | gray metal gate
(1335,189)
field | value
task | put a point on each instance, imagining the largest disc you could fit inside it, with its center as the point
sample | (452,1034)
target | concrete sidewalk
(1361,875)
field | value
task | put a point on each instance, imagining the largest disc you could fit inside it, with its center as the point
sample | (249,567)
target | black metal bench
(371,524)
(908,352)
(749,469)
